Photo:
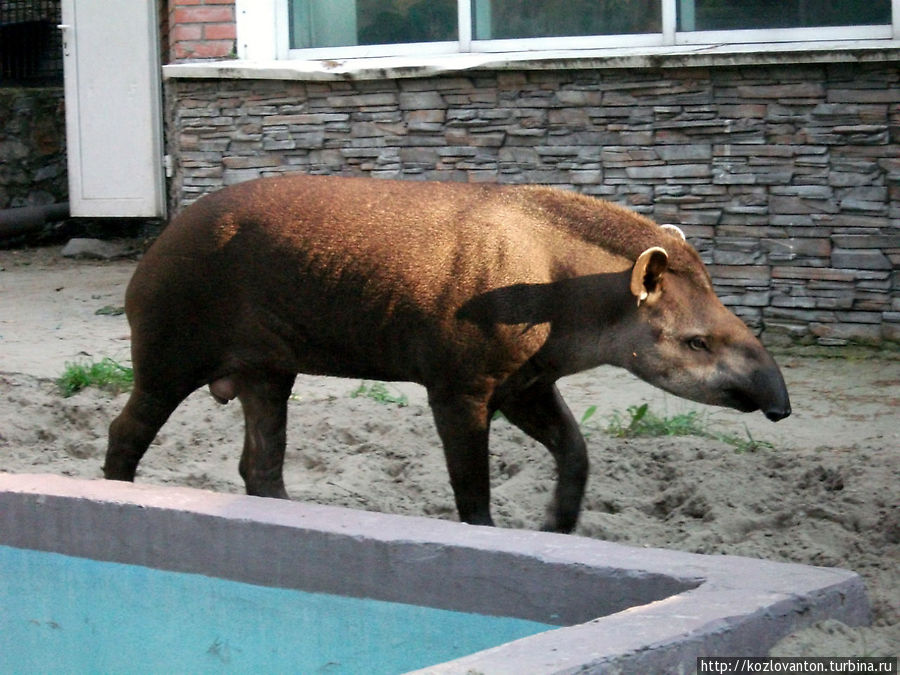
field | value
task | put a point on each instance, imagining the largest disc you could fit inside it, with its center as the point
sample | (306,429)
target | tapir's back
(418,242)
(337,274)
(331,223)
(424,232)
(360,214)
(332,275)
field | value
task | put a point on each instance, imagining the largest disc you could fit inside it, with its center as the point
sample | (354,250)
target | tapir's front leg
(462,423)
(541,413)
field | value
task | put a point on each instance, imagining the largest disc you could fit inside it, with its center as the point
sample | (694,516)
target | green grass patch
(380,393)
(105,374)
(639,421)
(744,444)
(110,310)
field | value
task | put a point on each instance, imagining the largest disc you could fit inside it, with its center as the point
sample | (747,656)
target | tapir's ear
(674,229)
(647,274)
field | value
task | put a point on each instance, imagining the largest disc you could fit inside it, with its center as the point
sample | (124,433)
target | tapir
(484,294)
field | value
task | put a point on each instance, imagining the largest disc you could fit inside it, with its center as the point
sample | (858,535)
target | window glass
(744,14)
(343,23)
(498,19)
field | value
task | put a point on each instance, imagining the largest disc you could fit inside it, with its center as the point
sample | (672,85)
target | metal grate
(30,44)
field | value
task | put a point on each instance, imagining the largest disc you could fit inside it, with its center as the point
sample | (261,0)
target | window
(504,19)
(346,28)
(344,23)
(761,14)
(715,21)
(30,44)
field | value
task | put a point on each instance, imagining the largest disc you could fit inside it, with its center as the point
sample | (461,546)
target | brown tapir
(484,294)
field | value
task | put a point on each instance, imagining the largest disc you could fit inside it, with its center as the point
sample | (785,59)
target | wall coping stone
(677,56)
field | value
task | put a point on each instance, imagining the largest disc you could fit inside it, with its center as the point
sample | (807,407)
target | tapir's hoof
(118,475)
(273,492)
(560,529)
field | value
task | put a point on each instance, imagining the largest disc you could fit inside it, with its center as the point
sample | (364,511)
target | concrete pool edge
(662,608)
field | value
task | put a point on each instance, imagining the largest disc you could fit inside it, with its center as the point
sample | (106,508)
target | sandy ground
(824,493)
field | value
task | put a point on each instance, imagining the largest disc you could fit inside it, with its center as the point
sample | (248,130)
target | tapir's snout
(759,387)
(778,413)
(772,393)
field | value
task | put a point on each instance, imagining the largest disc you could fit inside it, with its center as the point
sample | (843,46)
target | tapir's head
(681,338)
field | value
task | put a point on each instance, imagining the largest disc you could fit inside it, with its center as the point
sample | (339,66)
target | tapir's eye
(698,343)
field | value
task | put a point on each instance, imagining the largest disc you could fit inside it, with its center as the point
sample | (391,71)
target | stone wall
(32,147)
(786,178)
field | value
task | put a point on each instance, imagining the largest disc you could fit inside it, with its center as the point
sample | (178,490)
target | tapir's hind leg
(541,413)
(132,431)
(264,400)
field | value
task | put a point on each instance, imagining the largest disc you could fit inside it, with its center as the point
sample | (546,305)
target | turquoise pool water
(72,615)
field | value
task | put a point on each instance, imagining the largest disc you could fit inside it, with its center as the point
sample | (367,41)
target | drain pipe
(14,222)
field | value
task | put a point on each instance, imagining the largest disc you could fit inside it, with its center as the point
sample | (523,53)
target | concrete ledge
(677,56)
(622,608)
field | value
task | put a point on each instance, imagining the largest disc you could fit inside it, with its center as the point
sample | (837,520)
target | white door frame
(113,91)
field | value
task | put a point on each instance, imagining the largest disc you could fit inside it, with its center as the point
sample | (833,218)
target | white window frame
(263,34)
(815,34)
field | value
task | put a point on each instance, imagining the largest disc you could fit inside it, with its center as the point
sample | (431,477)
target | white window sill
(679,56)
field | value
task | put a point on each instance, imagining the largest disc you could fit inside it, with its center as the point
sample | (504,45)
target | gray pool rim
(620,608)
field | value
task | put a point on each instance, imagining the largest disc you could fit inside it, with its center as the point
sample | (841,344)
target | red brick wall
(200,29)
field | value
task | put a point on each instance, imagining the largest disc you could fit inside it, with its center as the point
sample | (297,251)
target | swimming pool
(67,614)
